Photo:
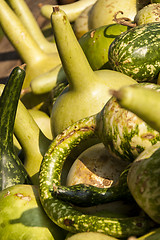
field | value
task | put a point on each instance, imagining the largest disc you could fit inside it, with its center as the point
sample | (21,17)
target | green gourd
(149,13)
(71,218)
(134,98)
(136,52)
(88,90)
(37,61)
(12,170)
(33,138)
(22,216)
(33,141)
(24,13)
(93,42)
(73,10)
(103,11)
(143,181)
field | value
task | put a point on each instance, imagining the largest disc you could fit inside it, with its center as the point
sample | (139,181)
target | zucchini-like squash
(67,216)
(136,52)
(12,170)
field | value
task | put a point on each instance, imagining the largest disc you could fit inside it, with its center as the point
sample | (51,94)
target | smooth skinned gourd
(37,61)
(22,216)
(80,25)
(33,141)
(12,170)
(93,42)
(24,13)
(103,11)
(88,90)
(73,10)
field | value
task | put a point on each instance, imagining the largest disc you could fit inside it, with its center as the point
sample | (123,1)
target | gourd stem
(27,48)
(74,61)
(25,15)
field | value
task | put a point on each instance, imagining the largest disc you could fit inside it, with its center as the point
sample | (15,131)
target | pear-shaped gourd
(37,61)
(12,170)
(88,91)
(95,45)
(104,11)
(24,13)
(73,10)
(22,216)
(147,14)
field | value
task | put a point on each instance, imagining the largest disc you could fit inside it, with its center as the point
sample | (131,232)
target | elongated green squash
(12,170)
(136,52)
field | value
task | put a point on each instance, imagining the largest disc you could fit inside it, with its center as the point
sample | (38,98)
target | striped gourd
(136,52)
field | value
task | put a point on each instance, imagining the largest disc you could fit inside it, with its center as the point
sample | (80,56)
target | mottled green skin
(87,195)
(12,170)
(144,182)
(122,132)
(96,42)
(64,214)
(136,52)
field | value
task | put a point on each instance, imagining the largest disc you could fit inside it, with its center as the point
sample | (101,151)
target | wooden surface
(9,58)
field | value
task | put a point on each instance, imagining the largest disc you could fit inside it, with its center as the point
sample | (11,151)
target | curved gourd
(24,13)
(37,61)
(73,10)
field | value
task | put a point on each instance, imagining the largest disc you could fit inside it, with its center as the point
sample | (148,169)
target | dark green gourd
(12,170)
(136,52)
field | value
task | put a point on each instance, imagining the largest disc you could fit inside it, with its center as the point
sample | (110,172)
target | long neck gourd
(73,10)
(24,13)
(142,101)
(34,143)
(88,90)
(37,61)
(12,170)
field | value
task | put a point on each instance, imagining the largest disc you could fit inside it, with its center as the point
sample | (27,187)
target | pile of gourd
(79,129)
